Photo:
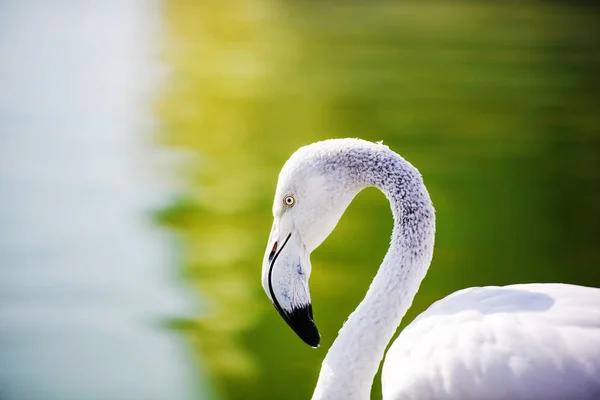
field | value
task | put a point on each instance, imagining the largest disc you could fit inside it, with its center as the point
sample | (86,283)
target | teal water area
(87,279)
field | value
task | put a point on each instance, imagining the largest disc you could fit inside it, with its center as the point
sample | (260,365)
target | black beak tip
(311,337)
(301,321)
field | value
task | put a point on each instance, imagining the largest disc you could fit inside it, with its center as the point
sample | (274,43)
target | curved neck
(350,365)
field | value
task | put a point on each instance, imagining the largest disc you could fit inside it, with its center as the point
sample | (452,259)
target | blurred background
(140,143)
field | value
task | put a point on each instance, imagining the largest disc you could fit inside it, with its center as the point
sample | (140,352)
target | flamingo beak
(286,269)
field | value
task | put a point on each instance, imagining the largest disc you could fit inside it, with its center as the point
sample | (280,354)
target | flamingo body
(530,341)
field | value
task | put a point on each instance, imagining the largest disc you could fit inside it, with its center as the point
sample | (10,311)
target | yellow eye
(289,200)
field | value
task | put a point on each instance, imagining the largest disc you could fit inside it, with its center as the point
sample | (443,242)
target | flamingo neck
(352,362)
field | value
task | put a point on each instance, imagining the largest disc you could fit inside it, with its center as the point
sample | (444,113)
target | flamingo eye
(289,200)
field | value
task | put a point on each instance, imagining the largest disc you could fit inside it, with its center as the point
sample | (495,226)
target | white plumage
(535,341)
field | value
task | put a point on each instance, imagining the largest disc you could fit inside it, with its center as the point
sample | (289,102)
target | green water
(496,104)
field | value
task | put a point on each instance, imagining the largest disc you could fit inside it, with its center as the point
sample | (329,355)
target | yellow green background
(496,103)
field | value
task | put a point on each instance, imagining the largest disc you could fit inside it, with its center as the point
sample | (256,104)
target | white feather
(535,341)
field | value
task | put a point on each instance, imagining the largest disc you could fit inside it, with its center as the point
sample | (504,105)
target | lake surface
(86,279)
(495,103)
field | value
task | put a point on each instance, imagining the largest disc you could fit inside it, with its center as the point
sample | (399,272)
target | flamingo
(523,341)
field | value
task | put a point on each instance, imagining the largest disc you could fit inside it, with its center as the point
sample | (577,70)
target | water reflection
(84,283)
(495,104)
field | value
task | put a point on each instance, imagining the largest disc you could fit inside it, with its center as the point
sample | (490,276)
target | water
(495,103)
(86,280)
